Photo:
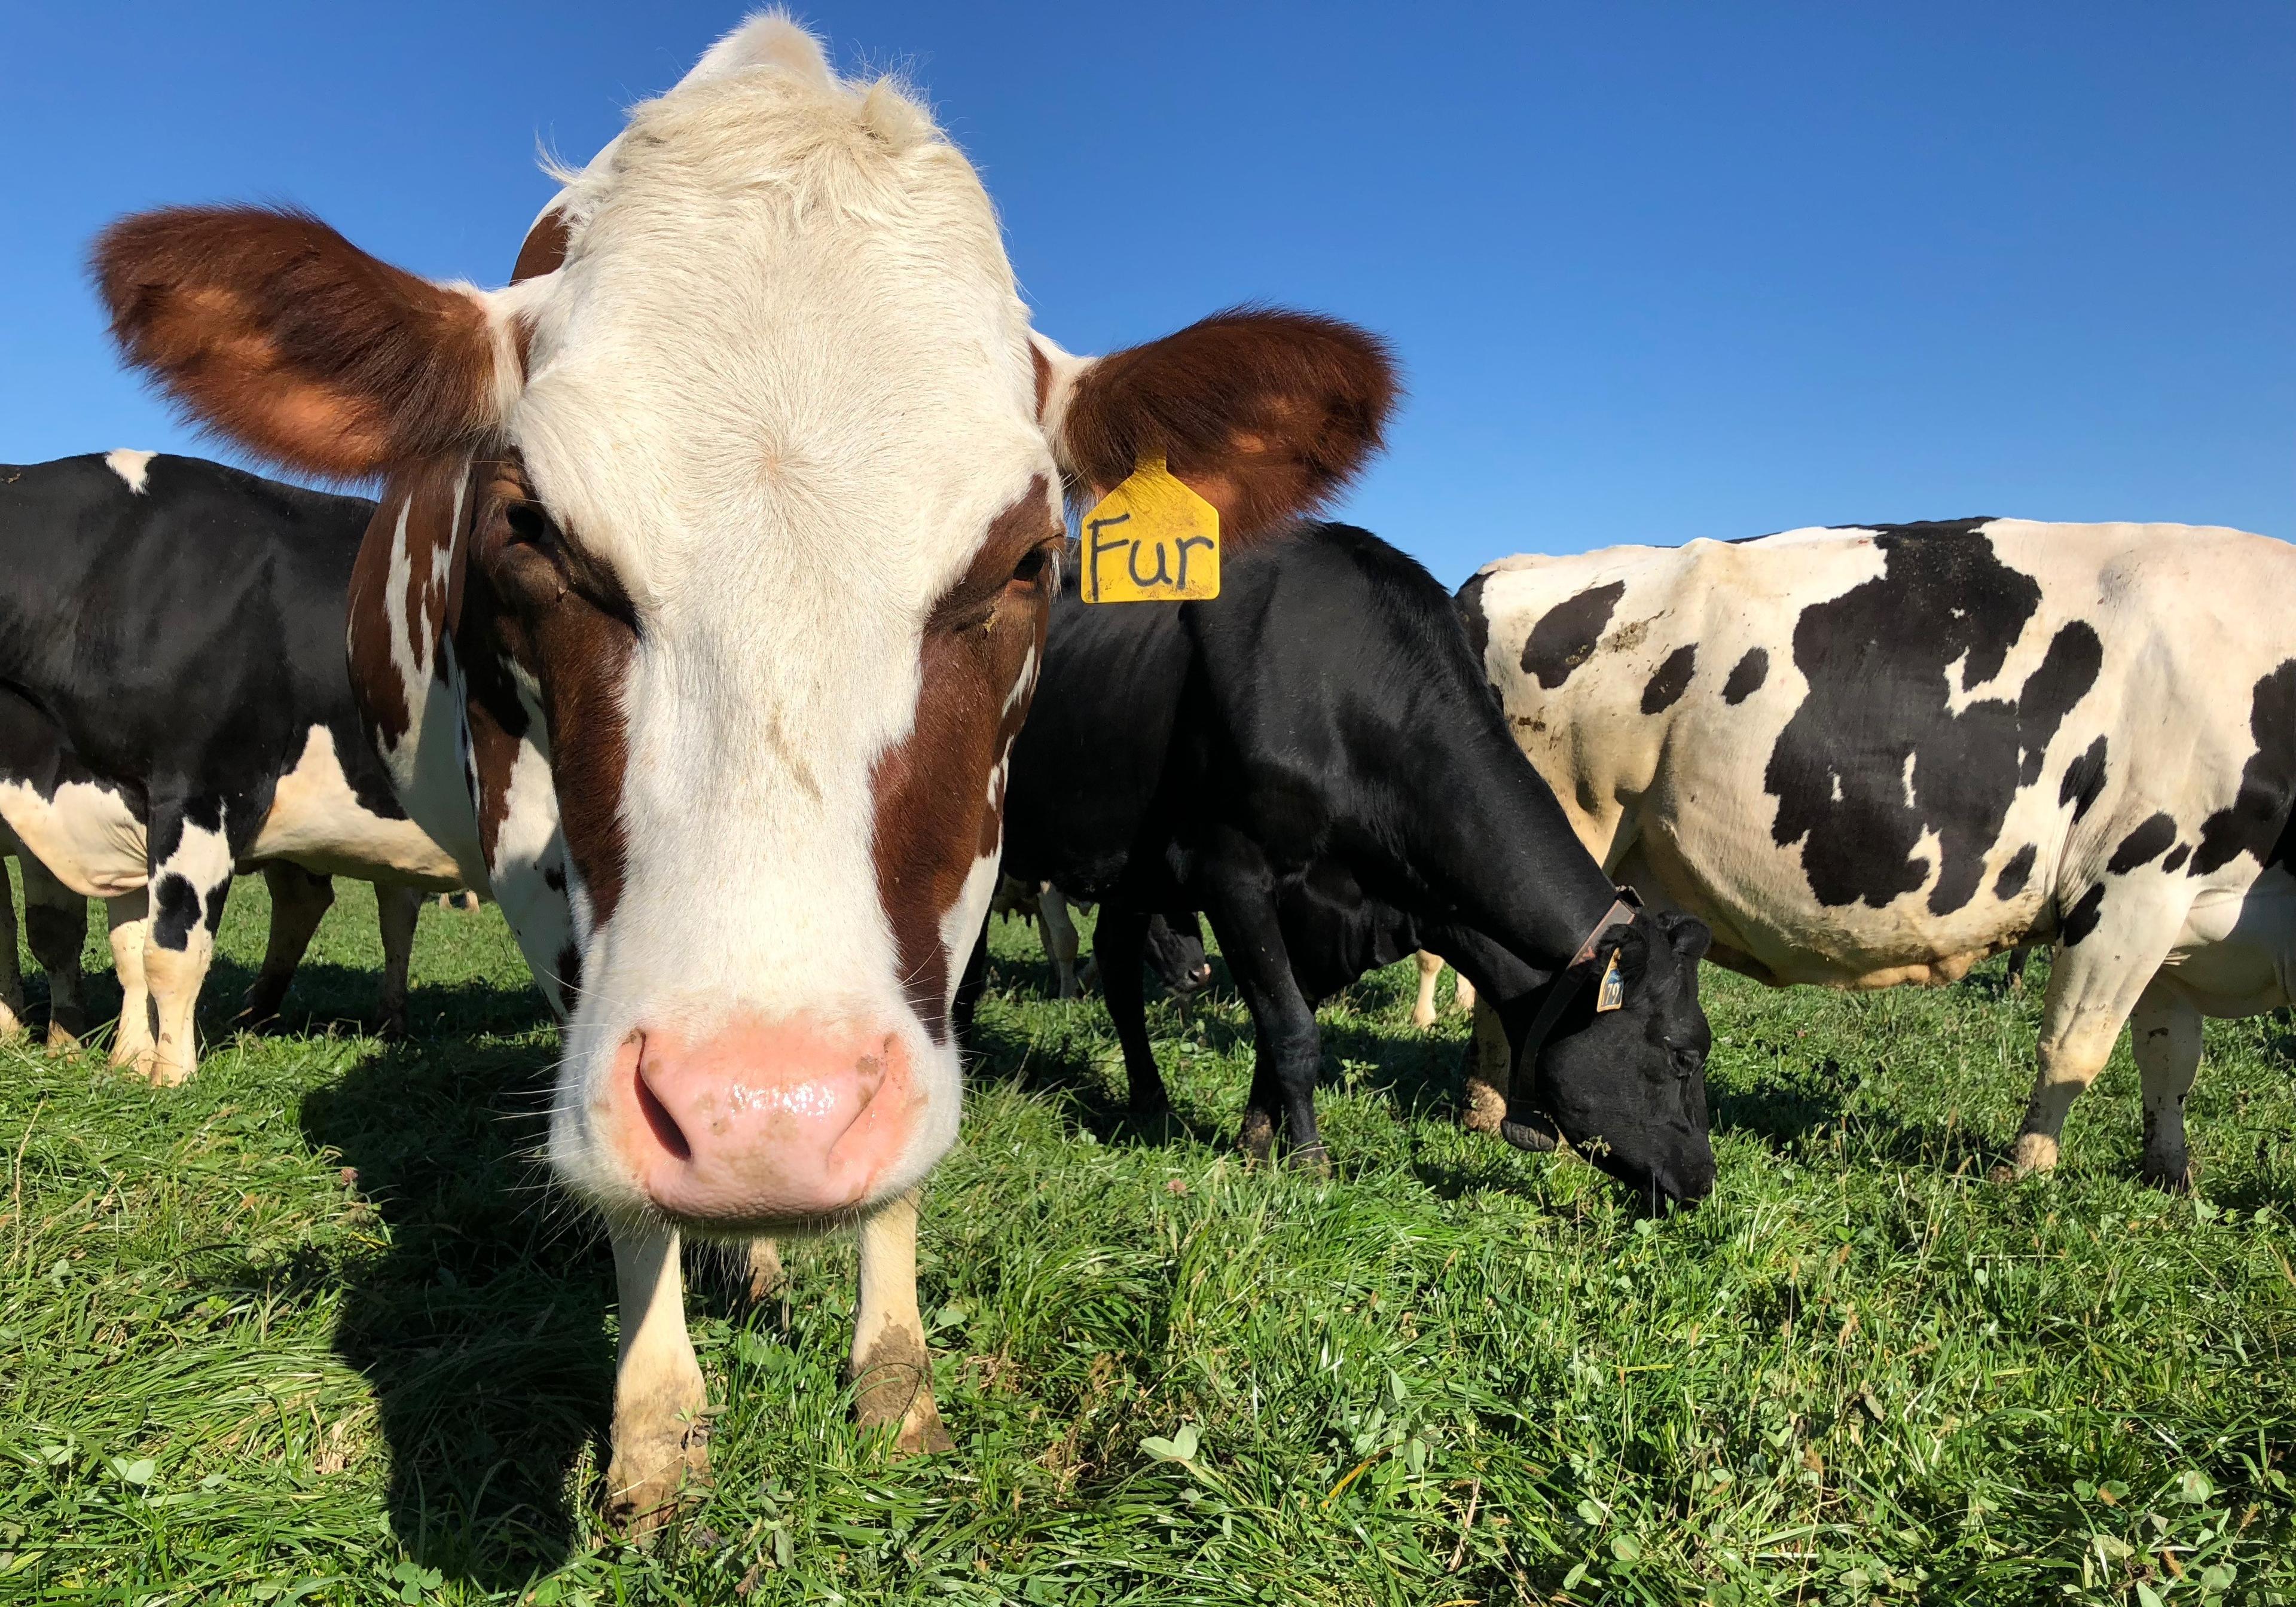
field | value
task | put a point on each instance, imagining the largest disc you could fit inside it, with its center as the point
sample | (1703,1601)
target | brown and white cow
(1876,755)
(704,600)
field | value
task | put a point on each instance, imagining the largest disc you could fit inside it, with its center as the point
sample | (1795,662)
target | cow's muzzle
(761,1122)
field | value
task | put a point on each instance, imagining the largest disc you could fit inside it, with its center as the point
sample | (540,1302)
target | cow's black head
(1627,1087)
(1176,954)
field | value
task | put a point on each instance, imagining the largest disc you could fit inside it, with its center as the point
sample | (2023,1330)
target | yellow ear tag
(1152,540)
(1611,993)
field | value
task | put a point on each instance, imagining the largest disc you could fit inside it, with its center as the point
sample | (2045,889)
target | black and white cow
(1314,761)
(174,710)
(1875,755)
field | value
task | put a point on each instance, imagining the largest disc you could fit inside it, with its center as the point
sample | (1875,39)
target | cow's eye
(527,521)
(1687,1059)
(1034,564)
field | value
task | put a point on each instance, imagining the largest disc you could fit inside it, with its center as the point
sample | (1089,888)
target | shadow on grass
(481,1324)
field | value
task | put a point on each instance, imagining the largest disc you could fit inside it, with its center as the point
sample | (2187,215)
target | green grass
(311,1328)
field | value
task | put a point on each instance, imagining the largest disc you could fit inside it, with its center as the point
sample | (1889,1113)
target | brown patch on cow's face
(426,495)
(1267,414)
(551,609)
(935,815)
(273,328)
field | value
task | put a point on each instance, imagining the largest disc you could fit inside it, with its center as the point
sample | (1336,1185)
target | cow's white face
(812,465)
(737,507)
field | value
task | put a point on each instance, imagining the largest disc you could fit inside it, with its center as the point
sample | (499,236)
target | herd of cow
(713,621)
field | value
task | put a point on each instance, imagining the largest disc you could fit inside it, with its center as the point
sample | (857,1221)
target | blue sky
(1656,271)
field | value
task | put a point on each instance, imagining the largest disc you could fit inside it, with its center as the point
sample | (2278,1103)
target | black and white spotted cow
(175,708)
(1870,755)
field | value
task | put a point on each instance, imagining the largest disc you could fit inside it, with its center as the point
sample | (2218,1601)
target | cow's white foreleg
(176,976)
(892,1370)
(2166,1031)
(1430,971)
(1464,992)
(1491,1074)
(133,1042)
(1060,935)
(661,1431)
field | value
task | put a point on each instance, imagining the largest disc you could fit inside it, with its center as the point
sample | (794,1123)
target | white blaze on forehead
(131,465)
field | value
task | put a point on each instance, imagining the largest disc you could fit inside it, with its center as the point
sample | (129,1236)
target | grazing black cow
(175,708)
(1315,761)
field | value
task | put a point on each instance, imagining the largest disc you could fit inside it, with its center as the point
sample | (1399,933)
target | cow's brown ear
(275,331)
(1266,414)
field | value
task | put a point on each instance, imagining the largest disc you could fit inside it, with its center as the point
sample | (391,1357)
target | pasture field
(314,1328)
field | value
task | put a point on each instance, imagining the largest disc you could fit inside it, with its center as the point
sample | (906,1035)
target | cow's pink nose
(763,1122)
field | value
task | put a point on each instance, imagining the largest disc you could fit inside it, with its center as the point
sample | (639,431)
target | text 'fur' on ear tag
(1152,540)
(1611,993)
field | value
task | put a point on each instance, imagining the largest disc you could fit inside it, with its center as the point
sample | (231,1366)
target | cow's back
(1870,755)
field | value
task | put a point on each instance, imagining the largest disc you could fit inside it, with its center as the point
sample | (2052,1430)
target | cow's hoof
(921,1431)
(652,1474)
(260,1008)
(2035,1152)
(1312,1158)
(393,1029)
(2172,1176)
(1486,1111)
(893,1385)
(62,1040)
(1157,1125)
(1425,1019)
(1257,1138)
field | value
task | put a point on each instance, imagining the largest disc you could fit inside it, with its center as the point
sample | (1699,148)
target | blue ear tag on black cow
(1611,993)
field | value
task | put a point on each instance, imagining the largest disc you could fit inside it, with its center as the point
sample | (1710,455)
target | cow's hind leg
(299,901)
(55,921)
(2093,984)
(134,1041)
(397,909)
(2165,1030)
(892,1370)
(661,1426)
(190,878)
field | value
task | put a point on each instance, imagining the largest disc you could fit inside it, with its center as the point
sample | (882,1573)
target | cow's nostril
(665,1130)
